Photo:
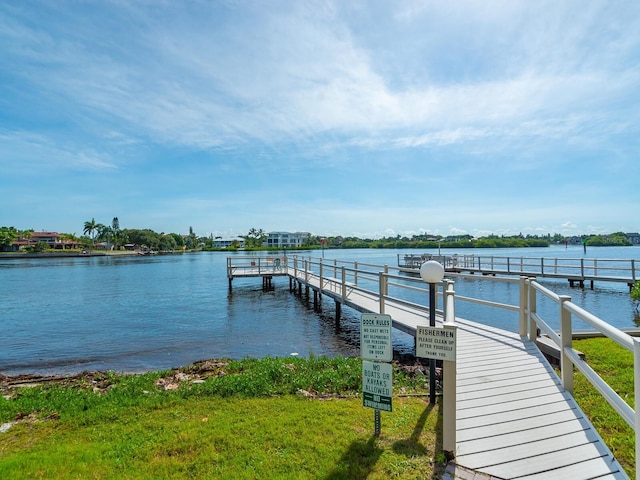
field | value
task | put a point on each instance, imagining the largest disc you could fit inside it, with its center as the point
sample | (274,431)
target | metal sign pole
(376,422)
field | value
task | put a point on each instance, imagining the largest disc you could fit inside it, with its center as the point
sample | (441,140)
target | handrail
(575,269)
(570,358)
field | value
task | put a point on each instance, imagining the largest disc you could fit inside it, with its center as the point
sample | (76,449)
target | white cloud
(357,114)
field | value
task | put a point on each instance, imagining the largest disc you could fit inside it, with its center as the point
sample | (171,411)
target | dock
(514,418)
(577,271)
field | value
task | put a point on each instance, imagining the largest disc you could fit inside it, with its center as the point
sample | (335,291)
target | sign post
(377,374)
(439,343)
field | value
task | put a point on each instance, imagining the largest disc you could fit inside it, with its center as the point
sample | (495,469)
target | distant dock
(577,271)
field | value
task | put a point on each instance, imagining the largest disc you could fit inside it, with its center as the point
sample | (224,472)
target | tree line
(116,238)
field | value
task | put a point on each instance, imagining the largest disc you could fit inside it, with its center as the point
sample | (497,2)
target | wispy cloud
(351,104)
(37,154)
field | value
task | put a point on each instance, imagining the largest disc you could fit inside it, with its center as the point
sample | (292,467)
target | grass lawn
(268,418)
(275,418)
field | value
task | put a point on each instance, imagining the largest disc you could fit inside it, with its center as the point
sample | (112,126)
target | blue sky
(366,118)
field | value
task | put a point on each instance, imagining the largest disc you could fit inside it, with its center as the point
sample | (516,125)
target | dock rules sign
(375,337)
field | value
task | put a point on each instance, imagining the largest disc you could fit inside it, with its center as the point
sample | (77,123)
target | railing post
(306,271)
(524,306)
(533,326)
(633,271)
(449,378)
(344,281)
(320,277)
(382,284)
(447,303)
(566,367)
(542,266)
(355,273)
(636,382)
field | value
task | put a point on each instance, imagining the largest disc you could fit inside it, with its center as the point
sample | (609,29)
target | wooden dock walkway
(513,418)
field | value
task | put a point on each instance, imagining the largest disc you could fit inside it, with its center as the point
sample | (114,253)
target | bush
(635,294)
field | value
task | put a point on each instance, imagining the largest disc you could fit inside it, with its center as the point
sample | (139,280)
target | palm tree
(90,229)
(103,232)
(115,227)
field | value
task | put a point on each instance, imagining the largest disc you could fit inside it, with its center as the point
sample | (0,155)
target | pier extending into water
(577,271)
(514,417)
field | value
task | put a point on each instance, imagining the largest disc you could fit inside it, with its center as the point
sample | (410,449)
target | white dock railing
(570,358)
(573,269)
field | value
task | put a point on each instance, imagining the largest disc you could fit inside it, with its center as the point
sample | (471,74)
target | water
(148,313)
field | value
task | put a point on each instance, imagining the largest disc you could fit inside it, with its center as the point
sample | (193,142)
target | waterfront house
(52,239)
(228,242)
(634,238)
(286,239)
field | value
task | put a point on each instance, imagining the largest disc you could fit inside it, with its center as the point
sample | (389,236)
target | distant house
(228,242)
(286,239)
(52,239)
(104,246)
(634,238)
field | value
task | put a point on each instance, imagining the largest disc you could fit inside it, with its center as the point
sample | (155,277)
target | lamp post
(432,272)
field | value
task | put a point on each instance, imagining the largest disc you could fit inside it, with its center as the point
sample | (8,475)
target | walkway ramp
(514,420)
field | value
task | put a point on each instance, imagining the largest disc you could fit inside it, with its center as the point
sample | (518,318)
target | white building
(286,239)
(228,242)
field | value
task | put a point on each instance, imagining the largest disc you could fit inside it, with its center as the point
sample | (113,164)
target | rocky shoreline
(101,379)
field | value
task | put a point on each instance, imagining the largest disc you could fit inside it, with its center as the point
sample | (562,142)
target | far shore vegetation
(285,417)
(114,238)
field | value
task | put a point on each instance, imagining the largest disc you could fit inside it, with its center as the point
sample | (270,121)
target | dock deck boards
(514,420)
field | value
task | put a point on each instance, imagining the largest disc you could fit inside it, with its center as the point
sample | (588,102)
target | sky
(354,118)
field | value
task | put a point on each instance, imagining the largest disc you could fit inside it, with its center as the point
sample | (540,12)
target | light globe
(432,271)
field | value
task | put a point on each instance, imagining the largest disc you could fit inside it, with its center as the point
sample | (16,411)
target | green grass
(615,365)
(270,418)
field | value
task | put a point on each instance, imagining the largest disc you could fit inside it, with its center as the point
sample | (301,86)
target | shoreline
(120,253)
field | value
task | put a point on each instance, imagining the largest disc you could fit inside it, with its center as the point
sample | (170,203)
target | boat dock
(577,271)
(514,415)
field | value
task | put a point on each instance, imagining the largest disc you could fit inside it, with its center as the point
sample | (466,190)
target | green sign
(377,385)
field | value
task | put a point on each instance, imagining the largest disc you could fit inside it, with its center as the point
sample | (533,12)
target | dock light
(432,272)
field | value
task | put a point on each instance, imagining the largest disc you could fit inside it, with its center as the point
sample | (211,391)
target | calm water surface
(149,313)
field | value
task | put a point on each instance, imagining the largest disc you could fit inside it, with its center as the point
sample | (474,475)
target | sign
(438,343)
(377,385)
(375,337)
